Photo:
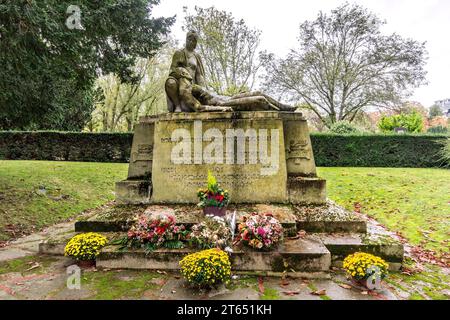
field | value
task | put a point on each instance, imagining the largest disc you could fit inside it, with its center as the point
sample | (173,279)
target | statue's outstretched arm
(279,105)
(250,103)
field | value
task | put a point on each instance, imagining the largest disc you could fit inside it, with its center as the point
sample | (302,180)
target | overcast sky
(422,20)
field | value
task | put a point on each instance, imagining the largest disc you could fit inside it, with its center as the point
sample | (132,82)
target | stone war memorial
(255,156)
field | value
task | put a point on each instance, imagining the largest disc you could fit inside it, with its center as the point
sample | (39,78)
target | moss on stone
(109,285)
(270,294)
(22,265)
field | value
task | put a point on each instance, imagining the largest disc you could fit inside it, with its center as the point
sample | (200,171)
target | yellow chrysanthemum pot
(85,247)
(366,269)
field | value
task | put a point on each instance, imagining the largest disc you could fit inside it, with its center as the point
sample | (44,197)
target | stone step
(328,218)
(384,246)
(299,255)
(120,218)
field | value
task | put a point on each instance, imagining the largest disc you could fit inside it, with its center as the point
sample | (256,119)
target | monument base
(332,233)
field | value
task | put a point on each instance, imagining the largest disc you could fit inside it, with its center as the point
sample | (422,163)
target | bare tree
(121,104)
(344,64)
(228,48)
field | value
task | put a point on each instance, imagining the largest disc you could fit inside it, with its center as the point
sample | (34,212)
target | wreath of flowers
(260,231)
(212,232)
(155,231)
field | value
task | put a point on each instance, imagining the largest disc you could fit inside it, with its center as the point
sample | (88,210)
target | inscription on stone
(144,153)
(252,166)
(298,150)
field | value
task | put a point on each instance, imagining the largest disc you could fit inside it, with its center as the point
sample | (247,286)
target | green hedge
(65,146)
(416,151)
(398,151)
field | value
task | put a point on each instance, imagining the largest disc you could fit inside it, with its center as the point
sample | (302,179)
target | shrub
(85,246)
(206,268)
(343,127)
(212,232)
(444,153)
(437,130)
(260,231)
(413,122)
(362,265)
(66,146)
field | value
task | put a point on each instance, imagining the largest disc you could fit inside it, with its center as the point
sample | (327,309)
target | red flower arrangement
(260,231)
(152,232)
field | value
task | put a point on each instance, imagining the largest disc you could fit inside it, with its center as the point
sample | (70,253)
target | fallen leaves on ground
(319,292)
(423,255)
(261,285)
(34,266)
(291,293)
(345,286)
(284,282)
(300,235)
(411,271)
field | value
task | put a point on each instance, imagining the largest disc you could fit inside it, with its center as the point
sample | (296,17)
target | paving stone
(71,294)
(12,253)
(176,289)
(238,294)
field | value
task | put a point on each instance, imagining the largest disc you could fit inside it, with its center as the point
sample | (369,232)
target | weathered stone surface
(341,245)
(133,191)
(52,248)
(141,157)
(238,163)
(119,218)
(307,254)
(328,218)
(306,190)
(259,157)
(299,153)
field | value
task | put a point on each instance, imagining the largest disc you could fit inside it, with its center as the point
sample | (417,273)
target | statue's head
(191,40)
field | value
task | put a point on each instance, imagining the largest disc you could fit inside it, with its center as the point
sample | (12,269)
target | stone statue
(186,93)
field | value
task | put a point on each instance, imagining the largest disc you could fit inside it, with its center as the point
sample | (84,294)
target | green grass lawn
(415,202)
(71,187)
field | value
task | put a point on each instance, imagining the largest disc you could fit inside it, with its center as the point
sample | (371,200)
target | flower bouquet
(155,231)
(260,231)
(213,199)
(212,232)
(366,269)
